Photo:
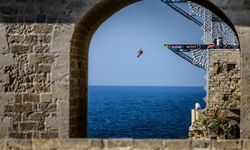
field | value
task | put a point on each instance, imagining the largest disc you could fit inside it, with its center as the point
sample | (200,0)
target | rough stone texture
(221,117)
(244,35)
(119,143)
(238,12)
(123,144)
(25,74)
(224,80)
(45,97)
(35,70)
(44,49)
(177,144)
(4,43)
(233,9)
(43,11)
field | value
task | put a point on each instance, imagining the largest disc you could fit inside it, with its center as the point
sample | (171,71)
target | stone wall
(238,12)
(244,35)
(224,82)
(221,117)
(34,80)
(35,43)
(123,144)
(43,11)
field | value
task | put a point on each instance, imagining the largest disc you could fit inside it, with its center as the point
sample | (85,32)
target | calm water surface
(141,112)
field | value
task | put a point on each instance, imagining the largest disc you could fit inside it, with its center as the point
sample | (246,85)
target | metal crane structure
(216,35)
(216,32)
(181,49)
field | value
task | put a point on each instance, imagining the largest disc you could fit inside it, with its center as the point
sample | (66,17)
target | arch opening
(82,36)
(122,87)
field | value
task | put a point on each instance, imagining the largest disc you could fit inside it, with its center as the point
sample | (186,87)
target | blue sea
(141,112)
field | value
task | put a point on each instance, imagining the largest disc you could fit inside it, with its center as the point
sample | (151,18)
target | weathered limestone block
(96,143)
(61,38)
(49,134)
(44,144)
(63,127)
(45,48)
(177,144)
(45,97)
(6,59)
(30,97)
(22,108)
(63,108)
(28,126)
(148,144)
(246,144)
(121,144)
(18,144)
(7,98)
(60,92)
(60,69)
(52,122)
(4,47)
(62,113)
(47,107)
(36,116)
(73,144)
(229,144)
(1,142)
(6,123)
(40,58)
(19,29)
(42,28)
(19,49)
(4,79)
(203,144)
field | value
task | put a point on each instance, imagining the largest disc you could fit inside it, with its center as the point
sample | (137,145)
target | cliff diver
(140,52)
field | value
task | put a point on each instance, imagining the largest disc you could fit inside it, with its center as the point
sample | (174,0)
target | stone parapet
(123,144)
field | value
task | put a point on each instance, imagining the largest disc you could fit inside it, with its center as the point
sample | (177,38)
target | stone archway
(38,52)
(82,35)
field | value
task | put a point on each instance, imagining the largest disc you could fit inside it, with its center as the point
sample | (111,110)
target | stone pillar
(221,117)
(244,36)
(35,45)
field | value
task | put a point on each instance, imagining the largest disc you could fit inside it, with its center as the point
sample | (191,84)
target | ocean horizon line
(146,85)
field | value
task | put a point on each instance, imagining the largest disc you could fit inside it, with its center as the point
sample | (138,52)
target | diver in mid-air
(140,52)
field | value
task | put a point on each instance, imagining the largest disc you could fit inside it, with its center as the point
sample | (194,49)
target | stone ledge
(128,144)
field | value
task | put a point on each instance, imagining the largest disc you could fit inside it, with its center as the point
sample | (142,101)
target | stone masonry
(221,117)
(34,74)
(44,62)
(123,144)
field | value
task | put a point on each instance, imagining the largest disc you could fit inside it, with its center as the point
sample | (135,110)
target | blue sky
(148,25)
